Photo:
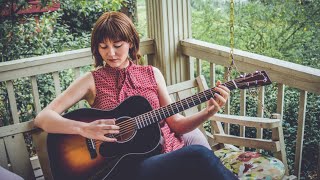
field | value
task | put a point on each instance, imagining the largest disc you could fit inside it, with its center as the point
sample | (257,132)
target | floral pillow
(251,165)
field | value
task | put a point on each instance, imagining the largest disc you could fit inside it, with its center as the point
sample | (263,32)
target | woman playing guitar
(115,48)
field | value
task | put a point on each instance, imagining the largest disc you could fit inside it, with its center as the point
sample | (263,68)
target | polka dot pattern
(114,85)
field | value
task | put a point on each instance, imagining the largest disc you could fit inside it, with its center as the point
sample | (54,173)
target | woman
(115,47)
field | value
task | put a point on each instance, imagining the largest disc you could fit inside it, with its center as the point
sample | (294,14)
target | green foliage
(22,37)
(80,15)
(287,30)
(28,39)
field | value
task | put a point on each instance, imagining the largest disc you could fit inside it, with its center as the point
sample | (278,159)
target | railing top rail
(55,62)
(294,75)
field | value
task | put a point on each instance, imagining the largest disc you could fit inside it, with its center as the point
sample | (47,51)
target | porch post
(169,22)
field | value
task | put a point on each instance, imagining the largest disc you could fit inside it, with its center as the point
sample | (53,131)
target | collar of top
(120,73)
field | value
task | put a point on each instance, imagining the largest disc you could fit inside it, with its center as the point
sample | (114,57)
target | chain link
(252,92)
(231,58)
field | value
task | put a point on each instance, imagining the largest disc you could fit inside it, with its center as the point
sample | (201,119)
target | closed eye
(102,46)
(117,45)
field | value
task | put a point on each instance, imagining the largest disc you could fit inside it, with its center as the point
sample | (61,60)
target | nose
(111,51)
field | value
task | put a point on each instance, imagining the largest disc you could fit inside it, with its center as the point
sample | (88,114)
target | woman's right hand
(99,128)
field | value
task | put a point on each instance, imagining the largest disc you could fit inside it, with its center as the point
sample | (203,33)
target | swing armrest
(257,122)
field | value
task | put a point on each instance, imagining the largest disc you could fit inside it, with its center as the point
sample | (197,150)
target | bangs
(113,31)
(114,26)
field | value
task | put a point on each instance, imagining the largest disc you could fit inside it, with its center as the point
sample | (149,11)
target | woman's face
(115,54)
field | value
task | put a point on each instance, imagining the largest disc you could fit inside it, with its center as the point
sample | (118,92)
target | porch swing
(248,164)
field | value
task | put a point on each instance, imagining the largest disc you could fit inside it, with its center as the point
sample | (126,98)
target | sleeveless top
(114,85)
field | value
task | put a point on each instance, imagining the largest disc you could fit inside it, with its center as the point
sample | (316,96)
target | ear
(130,45)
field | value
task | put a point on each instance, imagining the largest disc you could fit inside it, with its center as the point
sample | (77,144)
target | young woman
(115,47)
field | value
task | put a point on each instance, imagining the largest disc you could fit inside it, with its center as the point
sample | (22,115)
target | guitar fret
(177,106)
(163,113)
(143,122)
(158,115)
(182,105)
(211,93)
(199,98)
(193,101)
(150,118)
(155,115)
(137,123)
(187,102)
(168,110)
(205,95)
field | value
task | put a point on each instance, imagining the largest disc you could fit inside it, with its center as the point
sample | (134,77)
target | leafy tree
(285,29)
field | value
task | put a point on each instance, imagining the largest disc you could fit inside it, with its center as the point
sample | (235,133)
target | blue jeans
(188,163)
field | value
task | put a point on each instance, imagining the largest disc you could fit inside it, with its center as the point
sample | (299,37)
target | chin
(117,64)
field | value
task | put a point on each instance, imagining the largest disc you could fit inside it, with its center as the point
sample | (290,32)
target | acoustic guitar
(76,157)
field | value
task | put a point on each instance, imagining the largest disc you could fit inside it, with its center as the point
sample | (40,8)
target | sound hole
(127,129)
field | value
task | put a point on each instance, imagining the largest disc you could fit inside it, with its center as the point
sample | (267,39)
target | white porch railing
(284,73)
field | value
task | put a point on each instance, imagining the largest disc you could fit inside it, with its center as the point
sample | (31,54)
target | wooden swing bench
(14,153)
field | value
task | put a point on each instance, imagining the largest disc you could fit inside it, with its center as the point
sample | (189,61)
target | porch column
(169,21)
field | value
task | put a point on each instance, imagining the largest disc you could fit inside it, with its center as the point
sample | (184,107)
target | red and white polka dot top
(114,85)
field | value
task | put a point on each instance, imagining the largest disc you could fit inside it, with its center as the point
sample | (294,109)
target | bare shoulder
(156,70)
(88,80)
(158,75)
(86,77)
(82,88)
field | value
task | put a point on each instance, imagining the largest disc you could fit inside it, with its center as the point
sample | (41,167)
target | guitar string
(143,119)
(227,83)
(130,124)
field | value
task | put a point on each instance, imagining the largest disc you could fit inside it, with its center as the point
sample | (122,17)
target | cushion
(251,165)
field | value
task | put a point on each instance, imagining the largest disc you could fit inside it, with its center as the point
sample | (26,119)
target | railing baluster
(300,133)
(212,74)
(12,101)
(260,111)
(243,103)
(56,80)
(212,83)
(280,99)
(35,94)
(199,68)
(227,105)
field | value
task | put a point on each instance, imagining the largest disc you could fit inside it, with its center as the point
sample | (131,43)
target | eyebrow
(116,41)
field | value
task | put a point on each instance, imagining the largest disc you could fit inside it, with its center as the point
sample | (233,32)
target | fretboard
(159,114)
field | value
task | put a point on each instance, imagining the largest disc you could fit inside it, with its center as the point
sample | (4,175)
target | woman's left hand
(219,100)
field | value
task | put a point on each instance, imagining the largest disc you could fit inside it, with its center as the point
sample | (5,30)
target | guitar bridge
(91,148)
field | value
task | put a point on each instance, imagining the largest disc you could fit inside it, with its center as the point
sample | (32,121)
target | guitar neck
(258,78)
(159,114)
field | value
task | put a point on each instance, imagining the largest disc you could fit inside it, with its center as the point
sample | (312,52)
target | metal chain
(252,92)
(231,59)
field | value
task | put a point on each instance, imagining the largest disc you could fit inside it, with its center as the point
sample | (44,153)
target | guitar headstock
(258,78)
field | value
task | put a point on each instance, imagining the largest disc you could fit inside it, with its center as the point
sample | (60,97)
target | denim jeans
(191,162)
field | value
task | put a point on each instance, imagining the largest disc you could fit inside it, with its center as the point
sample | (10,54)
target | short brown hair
(114,26)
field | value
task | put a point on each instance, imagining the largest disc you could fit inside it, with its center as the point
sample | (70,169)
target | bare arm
(181,124)
(50,119)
